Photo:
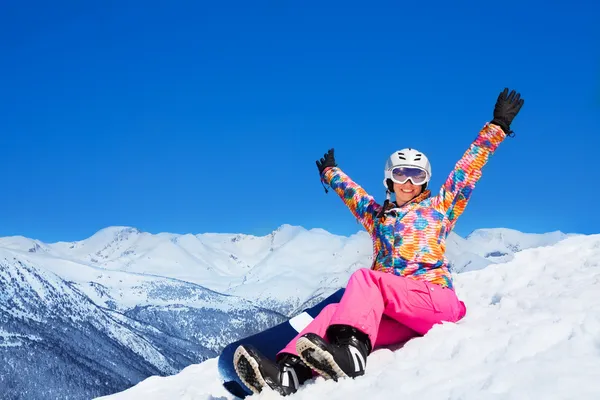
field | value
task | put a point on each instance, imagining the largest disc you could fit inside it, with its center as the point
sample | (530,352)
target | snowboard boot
(258,372)
(344,356)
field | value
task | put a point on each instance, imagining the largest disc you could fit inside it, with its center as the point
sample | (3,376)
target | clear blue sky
(197,116)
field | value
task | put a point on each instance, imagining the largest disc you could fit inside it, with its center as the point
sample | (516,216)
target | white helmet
(408,158)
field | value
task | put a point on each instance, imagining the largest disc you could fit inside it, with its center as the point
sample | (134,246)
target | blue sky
(194,116)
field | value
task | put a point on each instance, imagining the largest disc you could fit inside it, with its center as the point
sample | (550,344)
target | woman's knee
(329,309)
(361,274)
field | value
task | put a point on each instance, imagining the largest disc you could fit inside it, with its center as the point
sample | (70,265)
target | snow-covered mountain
(483,247)
(96,316)
(532,331)
(59,336)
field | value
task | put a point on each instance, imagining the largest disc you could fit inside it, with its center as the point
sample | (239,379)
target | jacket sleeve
(356,199)
(457,189)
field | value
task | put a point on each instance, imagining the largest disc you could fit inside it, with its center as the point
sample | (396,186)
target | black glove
(507,107)
(328,160)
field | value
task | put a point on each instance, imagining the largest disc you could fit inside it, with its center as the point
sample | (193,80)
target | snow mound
(500,244)
(532,331)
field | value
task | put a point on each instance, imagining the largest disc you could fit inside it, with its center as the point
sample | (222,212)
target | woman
(409,288)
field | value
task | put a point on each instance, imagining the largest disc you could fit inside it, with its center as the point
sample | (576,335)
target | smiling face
(407,191)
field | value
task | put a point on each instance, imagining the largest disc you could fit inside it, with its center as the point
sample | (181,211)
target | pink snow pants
(390,309)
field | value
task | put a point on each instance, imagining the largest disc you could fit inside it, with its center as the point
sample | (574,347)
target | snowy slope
(165,301)
(532,332)
(56,340)
(47,325)
(500,244)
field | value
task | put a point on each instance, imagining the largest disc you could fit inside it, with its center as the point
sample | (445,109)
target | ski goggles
(418,176)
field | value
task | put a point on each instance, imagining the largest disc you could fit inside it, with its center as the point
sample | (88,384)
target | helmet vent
(401,155)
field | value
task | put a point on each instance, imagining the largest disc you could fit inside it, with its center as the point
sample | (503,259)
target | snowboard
(269,342)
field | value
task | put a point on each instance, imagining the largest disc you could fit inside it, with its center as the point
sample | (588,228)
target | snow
(501,243)
(289,265)
(198,381)
(10,339)
(532,331)
(147,295)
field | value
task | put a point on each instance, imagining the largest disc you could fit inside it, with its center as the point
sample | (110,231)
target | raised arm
(362,205)
(457,189)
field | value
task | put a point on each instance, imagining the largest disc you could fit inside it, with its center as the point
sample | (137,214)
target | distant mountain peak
(118,232)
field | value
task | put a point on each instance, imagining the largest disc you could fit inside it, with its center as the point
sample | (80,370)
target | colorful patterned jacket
(411,240)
